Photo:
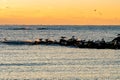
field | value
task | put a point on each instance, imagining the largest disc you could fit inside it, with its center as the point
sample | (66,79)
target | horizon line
(61,24)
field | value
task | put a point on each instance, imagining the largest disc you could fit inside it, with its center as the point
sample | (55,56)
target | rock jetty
(73,42)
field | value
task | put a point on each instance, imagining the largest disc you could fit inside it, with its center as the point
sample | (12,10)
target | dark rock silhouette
(74,42)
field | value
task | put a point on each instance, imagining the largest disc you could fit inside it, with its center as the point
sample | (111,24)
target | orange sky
(60,12)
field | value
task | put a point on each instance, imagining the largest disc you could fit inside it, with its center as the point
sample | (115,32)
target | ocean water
(43,62)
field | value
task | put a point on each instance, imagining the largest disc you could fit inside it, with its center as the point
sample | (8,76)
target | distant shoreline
(52,25)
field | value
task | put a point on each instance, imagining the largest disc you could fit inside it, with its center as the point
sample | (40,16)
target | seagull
(95,10)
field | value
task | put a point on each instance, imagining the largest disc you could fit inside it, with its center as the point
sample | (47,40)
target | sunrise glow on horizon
(60,12)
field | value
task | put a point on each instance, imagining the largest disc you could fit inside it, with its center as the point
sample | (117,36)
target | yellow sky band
(79,12)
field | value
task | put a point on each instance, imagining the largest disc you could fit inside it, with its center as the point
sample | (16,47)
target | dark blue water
(60,27)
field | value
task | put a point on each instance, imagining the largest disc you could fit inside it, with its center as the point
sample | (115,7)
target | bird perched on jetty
(49,41)
(63,37)
(117,38)
(63,41)
(116,41)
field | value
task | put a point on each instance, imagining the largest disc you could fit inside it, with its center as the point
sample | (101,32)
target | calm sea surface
(42,62)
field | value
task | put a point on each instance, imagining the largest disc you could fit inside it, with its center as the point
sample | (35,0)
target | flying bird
(95,10)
